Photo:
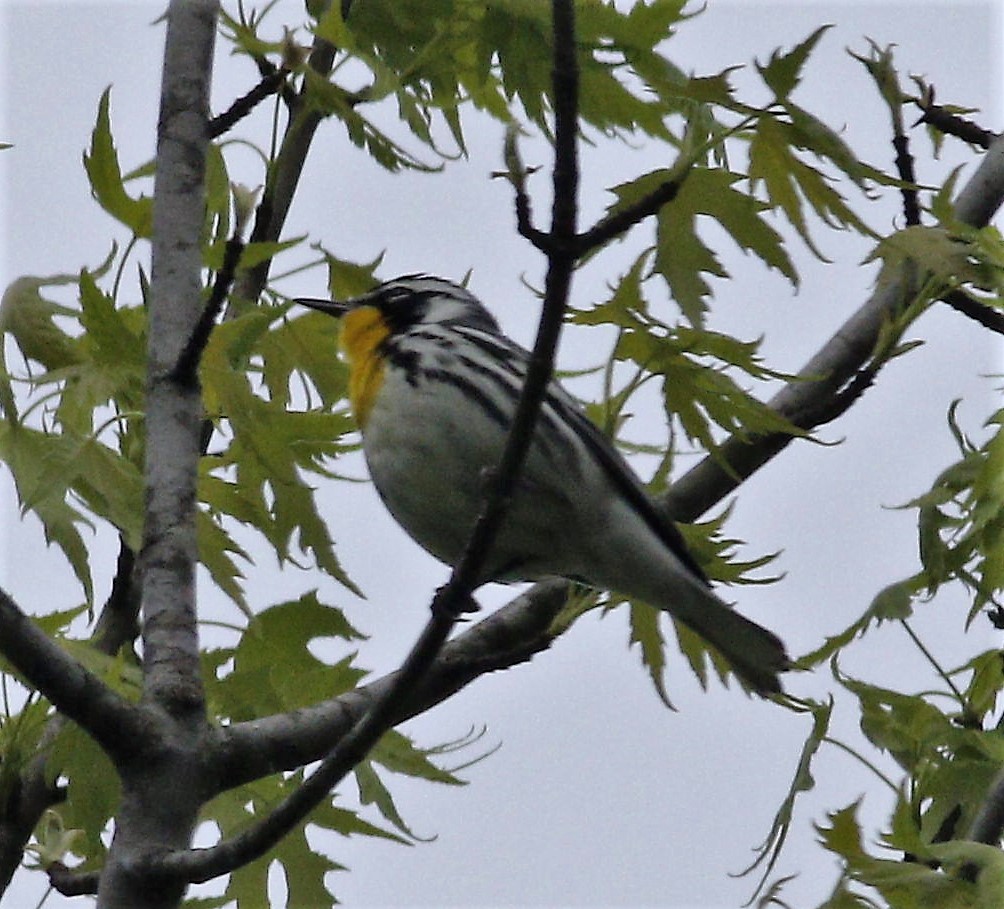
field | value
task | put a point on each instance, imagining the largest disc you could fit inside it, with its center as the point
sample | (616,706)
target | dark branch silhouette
(946,121)
(270,84)
(186,370)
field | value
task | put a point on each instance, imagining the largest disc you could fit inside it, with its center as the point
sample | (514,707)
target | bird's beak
(336,308)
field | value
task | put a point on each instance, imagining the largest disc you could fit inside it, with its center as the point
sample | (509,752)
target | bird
(433,386)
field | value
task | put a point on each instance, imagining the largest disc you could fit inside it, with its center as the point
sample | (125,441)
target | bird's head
(411,301)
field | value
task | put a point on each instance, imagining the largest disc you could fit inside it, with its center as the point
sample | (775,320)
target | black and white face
(423,300)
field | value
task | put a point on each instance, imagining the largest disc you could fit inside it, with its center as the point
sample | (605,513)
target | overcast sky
(598,794)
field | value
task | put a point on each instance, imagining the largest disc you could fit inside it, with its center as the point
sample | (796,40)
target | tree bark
(161,786)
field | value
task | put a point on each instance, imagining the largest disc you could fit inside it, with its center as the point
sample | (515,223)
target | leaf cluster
(72,404)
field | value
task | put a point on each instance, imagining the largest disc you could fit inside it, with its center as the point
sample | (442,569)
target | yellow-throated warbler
(433,386)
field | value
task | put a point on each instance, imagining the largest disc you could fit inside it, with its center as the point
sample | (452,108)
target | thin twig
(516,173)
(951,124)
(285,172)
(946,678)
(963,303)
(186,369)
(622,221)
(68,882)
(895,99)
(268,86)
(904,166)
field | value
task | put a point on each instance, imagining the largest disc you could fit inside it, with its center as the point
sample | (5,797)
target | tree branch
(986,316)
(118,622)
(33,795)
(163,789)
(806,400)
(172,670)
(200,865)
(560,263)
(284,175)
(622,221)
(357,720)
(509,636)
(186,369)
(262,746)
(951,124)
(117,625)
(270,83)
(68,882)
(73,690)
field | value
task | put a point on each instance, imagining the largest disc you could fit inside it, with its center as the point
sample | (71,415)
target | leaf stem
(930,658)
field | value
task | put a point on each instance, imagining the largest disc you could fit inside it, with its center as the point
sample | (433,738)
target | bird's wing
(559,404)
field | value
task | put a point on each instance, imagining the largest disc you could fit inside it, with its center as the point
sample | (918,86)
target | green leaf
(113,336)
(304,868)
(372,791)
(714,89)
(783,72)
(334,101)
(273,668)
(218,196)
(843,835)
(985,684)
(788,181)
(910,884)
(20,734)
(698,396)
(907,726)
(895,601)
(879,64)
(308,345)
(26,453)
(217,550)
(888,604)
(770,850)
(398,753)
(350,279)
(111,487)
(681,256)
(811,134)
(271,447)
(29,319)
(939,253)
(646,633)
(627,308)
(235,810)
(92,787)
(105,176)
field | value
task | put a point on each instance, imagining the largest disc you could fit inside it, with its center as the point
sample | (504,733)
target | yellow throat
(363,332)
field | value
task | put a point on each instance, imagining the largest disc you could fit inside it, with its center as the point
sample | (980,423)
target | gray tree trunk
(162,782)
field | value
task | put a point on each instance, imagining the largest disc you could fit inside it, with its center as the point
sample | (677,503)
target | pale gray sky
(598,795)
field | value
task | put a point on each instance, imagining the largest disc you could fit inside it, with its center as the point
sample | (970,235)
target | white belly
(429,455)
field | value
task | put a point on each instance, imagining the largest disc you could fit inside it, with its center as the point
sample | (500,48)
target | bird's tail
(757,655)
